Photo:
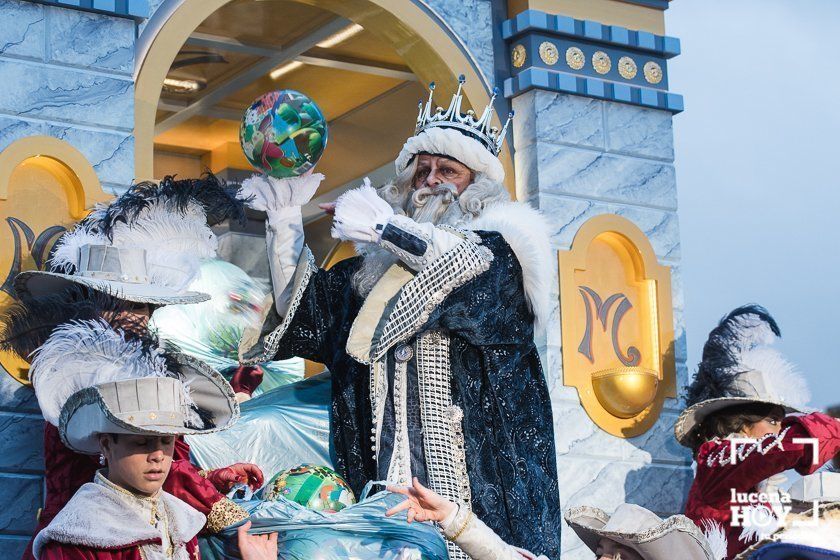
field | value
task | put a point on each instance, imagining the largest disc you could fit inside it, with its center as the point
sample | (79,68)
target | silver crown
(480,129)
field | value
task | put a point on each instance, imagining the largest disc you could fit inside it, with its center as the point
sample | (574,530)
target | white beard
(439,205)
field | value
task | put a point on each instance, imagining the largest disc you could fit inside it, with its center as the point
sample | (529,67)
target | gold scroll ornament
(46,186)
(617,325)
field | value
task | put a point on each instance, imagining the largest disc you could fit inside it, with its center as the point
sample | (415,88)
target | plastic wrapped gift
(361,532)
(211,330)
(278,430)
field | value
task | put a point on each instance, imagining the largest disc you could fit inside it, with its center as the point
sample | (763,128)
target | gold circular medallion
(601,62)
(653,72)
(548,53)
(517,56)
(627,67)
(575,58)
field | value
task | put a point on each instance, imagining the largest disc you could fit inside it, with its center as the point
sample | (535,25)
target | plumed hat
(643,531)
(145,246)
(461,136)
(739,366)
(89,378)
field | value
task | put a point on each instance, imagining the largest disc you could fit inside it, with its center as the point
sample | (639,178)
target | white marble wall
(575,158)
(67,73)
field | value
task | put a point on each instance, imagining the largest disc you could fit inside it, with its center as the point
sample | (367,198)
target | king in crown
(429,332)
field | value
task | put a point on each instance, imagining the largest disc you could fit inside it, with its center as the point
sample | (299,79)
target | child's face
(138,463)
(770,425)
(611,550)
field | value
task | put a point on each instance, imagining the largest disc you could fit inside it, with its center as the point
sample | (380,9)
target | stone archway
(428,46)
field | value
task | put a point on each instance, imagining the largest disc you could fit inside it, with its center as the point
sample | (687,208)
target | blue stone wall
(67,73)
(63,73)
(577,157)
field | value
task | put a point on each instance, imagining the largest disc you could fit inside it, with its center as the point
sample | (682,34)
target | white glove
(273,196)
(358,212)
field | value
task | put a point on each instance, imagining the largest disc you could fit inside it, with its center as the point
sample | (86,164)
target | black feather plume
(720,366)
(219,200)
(27,324)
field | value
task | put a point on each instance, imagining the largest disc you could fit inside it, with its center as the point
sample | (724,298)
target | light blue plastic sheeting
(361,532)
(278,430)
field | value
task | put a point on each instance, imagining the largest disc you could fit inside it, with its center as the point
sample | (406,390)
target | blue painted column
(593,135)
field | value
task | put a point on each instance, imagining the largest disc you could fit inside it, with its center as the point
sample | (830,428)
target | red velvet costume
(67,471)
(709,499)
(59,551)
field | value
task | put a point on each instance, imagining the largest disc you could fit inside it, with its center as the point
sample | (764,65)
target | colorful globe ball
(283,133)
(315,487)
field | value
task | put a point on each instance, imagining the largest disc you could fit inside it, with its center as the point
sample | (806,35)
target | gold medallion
(601,62)
(575,58)
(653,72)
(518,56)
(548,53)
(627,67)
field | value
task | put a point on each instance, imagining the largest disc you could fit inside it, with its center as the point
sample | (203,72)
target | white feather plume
(753,332)
(357,212)
(175,244)
(716,537)
(65,257)
(81,354)
(755,531)
(783,379)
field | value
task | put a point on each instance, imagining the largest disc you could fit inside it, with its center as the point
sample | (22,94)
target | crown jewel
(478,128)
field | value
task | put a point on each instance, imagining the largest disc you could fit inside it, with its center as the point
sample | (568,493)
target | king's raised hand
(273,195)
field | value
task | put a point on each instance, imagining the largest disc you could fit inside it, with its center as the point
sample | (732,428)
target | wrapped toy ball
(211,330)
(283,133)
(316,487)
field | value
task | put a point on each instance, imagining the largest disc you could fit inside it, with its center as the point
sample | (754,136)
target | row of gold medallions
(601,61)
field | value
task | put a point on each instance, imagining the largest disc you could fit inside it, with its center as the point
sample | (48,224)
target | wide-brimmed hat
(146,246)
(90,378)
(804,536)
(156,406)
(642,530)
(739,367)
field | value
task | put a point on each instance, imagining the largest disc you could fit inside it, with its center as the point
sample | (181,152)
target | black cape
(497,378)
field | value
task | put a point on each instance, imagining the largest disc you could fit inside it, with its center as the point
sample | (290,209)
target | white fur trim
(450,142)
(825,535)
(527,232)
(102,518)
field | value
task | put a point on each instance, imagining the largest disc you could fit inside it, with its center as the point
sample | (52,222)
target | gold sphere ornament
(601,62)
(653,72)
(627,67)
(518,55)
(624,392)
(575,58)
(548,53)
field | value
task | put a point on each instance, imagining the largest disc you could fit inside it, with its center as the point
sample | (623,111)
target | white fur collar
(101,516)
(527,232)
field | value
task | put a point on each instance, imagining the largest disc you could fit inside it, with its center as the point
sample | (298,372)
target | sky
(757,157)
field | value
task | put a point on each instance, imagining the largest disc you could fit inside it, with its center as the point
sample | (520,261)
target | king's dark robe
(471,298)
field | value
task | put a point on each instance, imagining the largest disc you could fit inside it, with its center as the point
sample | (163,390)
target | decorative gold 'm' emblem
(617,325)
(601,62)
(575,58)
(653,72)
(548,53)
(627,67)
(152,416)
(517,56)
